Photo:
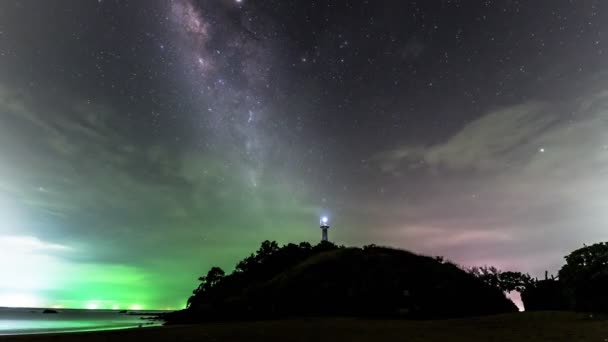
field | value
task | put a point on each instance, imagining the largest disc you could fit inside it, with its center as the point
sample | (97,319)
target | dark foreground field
(544,326)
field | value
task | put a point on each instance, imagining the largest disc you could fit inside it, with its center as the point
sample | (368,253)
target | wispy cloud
(492,142)
(528,180)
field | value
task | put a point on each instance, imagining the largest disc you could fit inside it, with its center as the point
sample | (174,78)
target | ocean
(19,321)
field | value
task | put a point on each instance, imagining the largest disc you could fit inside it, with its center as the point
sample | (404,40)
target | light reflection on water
(14,321)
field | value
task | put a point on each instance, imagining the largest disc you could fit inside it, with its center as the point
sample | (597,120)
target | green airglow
(126,226)
(162,256)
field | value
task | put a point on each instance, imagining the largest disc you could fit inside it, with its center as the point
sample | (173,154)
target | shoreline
(521,327)
(29,321)
(83,330)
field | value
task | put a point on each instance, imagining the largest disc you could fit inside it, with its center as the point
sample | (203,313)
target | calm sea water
(17,321)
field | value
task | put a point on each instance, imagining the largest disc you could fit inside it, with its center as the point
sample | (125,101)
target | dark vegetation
(536,295)
(327,280)
(584,278)
(581,284)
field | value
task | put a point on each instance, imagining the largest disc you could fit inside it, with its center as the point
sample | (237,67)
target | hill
(325,280)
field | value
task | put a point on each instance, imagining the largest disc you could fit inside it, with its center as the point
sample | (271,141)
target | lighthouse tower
(324,228)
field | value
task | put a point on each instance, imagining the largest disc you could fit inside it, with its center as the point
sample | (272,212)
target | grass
(521,327)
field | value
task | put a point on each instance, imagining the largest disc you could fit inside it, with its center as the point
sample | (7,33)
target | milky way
(142,142)
(227,63)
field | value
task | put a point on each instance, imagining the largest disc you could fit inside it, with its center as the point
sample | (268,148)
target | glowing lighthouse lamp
(324,228)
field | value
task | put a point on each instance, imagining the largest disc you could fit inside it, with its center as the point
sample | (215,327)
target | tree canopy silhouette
(585,278)
(536,295)
(325,279)
(543,295)
(505,281)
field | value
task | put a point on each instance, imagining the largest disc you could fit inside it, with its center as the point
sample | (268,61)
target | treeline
(268,261)
(296,280)
(580,285)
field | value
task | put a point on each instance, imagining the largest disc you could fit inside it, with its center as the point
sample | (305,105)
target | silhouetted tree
(213,277)
(505,281)
(536,295)
(267,249)
(543,295)
(514,281)
(246,264)
(324,246)
(585,278)
(488,274)
(305,245)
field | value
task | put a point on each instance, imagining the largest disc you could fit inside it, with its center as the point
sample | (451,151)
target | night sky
(142,142)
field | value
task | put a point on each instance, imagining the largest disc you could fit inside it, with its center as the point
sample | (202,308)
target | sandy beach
(543,326)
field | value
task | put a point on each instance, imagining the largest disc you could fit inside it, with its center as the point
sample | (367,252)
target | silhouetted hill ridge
(299,280)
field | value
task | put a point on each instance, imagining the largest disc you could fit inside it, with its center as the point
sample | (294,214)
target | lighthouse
(324,228)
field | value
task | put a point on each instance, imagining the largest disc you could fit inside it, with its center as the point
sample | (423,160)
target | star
(430,126)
